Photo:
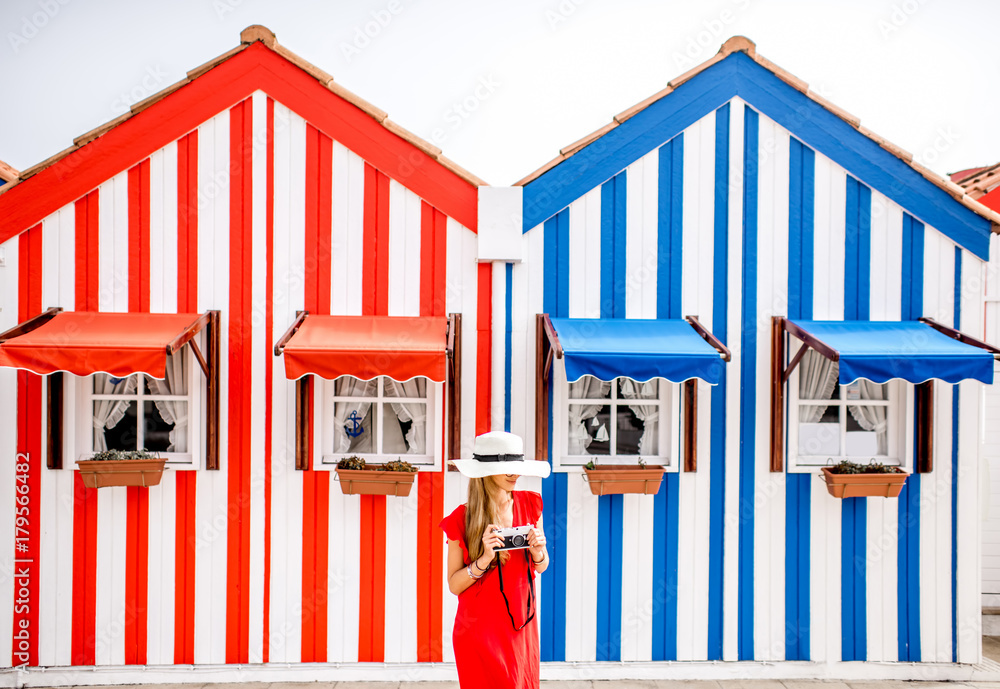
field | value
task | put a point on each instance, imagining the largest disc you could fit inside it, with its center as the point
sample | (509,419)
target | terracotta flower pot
(121,472)
(626,478)
(375,482)
(864,485)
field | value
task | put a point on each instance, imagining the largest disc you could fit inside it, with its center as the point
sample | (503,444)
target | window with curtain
(856,421)
(141,412)
(380,420)
(619,420)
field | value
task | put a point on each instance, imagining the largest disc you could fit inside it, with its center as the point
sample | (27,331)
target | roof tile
(7,173)
(587,140)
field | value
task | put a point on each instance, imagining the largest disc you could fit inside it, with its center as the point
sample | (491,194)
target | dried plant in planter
(398,465)
(353,463)
(359,478)
(121,468)
(847,467)
(617,479)
(122,455)
(852,480)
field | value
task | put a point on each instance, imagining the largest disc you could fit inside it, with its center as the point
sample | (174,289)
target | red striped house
(255,188)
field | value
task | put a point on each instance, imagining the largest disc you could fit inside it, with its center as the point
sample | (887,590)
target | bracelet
(476,563)
(538,562)
(468,570)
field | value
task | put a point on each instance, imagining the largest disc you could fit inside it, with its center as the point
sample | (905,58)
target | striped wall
(260,213)
(736,221)
(257,213)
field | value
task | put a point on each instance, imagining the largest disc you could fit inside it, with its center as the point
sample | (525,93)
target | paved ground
(617,684)
(991,651)
(668,684)
(598,684)
(991,647)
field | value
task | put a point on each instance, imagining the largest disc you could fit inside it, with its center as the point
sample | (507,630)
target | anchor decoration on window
(354,428)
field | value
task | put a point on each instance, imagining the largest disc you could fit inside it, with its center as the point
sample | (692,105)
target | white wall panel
(696,299)
(641,231)
(285,637)
(212,490)
(404,251)
(260,354)
(54,515)
(348,230)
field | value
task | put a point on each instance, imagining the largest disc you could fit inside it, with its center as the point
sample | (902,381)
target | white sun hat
(497,453)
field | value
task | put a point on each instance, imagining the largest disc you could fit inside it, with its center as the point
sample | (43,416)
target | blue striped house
(737,195)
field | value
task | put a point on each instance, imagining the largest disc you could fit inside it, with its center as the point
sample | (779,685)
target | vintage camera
(514,538)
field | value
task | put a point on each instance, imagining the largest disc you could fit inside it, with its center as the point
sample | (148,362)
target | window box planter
(356,478)
(116,468)
(625,478)
(864,485)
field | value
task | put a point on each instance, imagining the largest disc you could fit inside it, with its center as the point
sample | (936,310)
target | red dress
(488,651)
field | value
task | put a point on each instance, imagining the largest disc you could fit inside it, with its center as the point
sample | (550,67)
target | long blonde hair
(480,510)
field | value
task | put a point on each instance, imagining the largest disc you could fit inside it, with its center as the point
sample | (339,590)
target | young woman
(496,634)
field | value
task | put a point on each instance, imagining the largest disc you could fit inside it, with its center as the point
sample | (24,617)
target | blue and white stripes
(735,219)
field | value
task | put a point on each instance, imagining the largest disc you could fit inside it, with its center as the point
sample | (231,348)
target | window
(615,422)
(141,412)
(380,420)
(860,421)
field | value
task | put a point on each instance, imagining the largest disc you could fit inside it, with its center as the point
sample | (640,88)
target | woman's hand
(536,544)
(490,543)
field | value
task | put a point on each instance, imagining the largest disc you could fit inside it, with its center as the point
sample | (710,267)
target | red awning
(366,346)
(86,342)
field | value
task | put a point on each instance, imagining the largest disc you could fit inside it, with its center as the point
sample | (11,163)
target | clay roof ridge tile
(8,173)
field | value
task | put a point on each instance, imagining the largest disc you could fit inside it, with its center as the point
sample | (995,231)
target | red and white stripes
(257,213)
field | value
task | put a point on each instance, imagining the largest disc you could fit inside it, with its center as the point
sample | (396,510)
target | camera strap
(529,610)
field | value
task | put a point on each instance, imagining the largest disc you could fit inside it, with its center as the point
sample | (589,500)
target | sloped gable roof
(738,71)
(258,63)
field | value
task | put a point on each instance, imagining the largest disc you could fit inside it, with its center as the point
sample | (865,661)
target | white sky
(923,74)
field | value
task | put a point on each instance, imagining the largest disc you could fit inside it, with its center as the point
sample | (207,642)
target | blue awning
(640,349)
(909,350)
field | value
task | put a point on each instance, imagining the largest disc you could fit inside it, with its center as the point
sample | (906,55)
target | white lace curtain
(410,411)
(872,418)
(352,387)
(646,413)
(587,387)
(108,413)
(173,411)
(817,379)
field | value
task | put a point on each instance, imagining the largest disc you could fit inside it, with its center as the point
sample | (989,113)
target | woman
(496,634)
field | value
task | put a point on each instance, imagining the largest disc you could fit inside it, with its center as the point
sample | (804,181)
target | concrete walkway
(672,684)
(599,684)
